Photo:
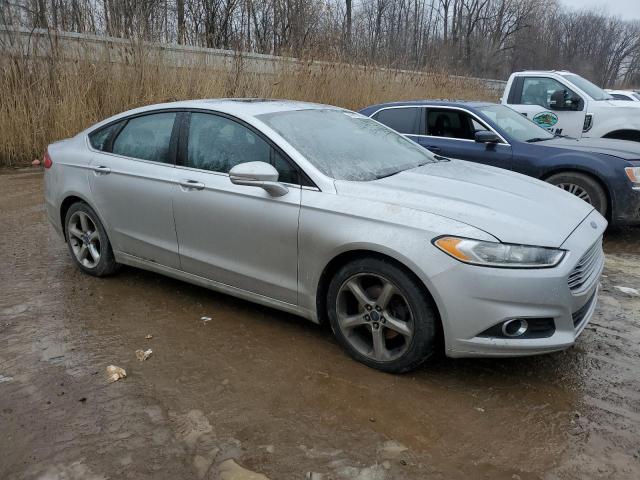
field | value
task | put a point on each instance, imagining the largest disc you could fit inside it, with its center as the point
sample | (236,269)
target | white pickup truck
(567,104)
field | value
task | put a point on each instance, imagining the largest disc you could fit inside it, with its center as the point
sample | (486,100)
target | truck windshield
(587,87)
(345,145)
(515,124)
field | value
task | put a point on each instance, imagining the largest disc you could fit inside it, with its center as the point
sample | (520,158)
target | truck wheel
(381,316)
(582,186)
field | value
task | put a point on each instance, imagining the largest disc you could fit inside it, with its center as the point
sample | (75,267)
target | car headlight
(495,254)
(634,175)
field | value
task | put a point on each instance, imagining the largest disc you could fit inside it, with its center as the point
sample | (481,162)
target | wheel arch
(607,191)
(350,255)
(69,200)
(624,134)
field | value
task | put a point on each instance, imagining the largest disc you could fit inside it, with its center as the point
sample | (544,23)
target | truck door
(549,103)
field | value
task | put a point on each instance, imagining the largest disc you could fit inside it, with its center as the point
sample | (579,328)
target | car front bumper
(473,299)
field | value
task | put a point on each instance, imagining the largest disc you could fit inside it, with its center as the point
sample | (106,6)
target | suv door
(538,99)
(236,235)
(132,183)
(451,132)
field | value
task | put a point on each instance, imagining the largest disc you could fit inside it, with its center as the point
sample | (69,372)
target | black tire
(425,321)
(597,195)
(106,265)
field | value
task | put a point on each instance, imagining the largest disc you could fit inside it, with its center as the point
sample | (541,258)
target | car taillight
(46,160)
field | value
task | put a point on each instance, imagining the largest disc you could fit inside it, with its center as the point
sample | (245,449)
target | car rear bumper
(474,299)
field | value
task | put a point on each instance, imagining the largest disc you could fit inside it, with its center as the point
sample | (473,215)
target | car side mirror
(485,136)
(258,174)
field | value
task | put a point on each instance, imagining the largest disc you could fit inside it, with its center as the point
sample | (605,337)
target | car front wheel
(582,186)
(381,315)
(88,242)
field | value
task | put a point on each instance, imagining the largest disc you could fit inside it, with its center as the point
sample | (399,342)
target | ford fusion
(330,215)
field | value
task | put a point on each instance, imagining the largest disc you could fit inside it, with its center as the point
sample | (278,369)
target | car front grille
(578,315)
(587,269)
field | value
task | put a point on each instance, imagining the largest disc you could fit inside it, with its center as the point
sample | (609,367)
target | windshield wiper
(538,139)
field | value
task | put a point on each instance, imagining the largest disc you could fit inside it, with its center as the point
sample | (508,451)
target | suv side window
(539,90)
(217,144)
(619,96)
(147,137)
(405,120)
(99,139)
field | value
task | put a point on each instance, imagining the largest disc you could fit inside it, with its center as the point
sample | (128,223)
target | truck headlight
(495,254)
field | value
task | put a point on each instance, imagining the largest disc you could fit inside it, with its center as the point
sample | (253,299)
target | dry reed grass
(47,98)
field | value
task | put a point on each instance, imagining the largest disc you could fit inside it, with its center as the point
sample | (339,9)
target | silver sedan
(325,213)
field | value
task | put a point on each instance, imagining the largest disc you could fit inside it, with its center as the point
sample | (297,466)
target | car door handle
(433,148)
(102,170)
(192,184)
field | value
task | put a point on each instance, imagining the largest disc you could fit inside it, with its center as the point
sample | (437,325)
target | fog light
(515,327)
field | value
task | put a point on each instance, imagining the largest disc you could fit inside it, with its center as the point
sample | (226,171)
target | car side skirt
(138,262)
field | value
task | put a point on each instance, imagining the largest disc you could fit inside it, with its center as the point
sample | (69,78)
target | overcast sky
(624,8)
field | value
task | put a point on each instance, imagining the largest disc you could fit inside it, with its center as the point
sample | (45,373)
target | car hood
(511,207)
(616,148)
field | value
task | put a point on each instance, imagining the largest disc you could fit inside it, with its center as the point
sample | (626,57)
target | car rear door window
(404,120)
(217,143)
(147,137)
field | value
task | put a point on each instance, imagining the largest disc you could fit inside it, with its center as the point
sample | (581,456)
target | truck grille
(587,269)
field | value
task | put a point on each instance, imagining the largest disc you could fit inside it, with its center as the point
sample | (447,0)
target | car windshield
(587,87)
(345,145)
(637,95)
(515,124)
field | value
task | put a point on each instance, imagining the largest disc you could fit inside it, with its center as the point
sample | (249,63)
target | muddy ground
(275,392)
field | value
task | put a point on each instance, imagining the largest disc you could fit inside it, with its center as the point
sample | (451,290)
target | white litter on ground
(4,379)
(627,290)
(115,373)
(205,319)
(142,355)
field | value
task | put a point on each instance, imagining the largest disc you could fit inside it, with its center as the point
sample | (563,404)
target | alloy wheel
(84,239)
(374,317)
(576,190)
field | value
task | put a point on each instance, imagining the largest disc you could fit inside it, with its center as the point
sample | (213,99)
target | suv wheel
(381,316)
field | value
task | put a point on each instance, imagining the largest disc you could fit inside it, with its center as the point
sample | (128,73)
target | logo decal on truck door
(546,119)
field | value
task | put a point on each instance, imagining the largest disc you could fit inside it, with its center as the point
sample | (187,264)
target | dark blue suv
(603,172)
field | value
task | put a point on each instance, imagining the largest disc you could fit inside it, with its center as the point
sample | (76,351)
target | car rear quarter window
(147,137)
(404,120)
(99,139)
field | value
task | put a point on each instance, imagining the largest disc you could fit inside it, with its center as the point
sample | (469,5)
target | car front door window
(218,144)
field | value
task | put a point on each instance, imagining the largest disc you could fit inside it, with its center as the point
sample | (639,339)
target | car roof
(244,108)
(434,103)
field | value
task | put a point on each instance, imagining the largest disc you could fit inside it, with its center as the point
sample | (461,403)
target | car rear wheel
(88,242)
(583,187)
(381,316)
